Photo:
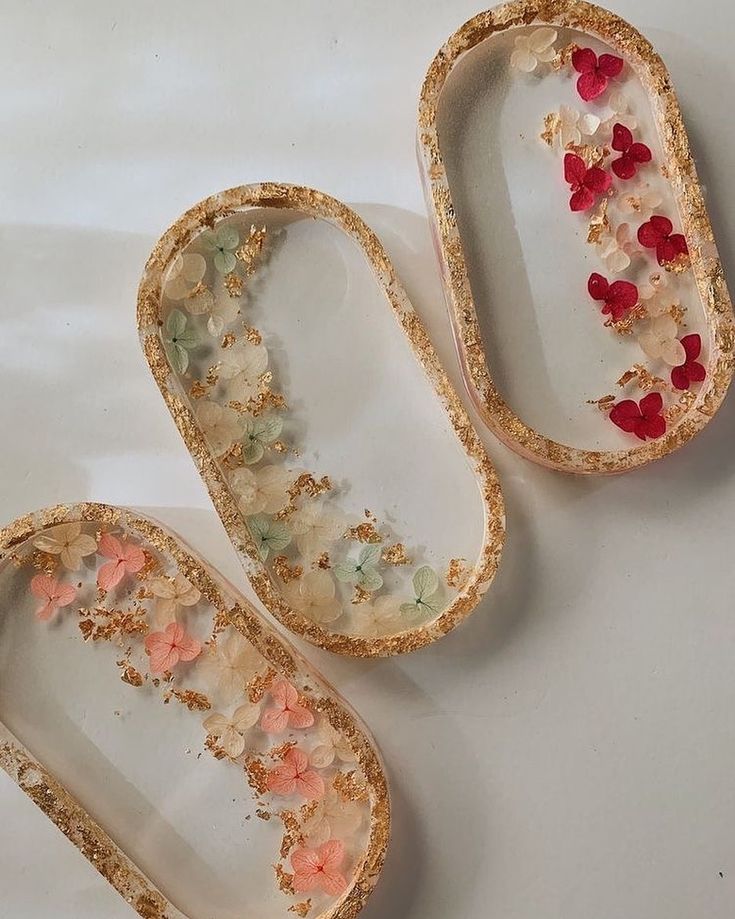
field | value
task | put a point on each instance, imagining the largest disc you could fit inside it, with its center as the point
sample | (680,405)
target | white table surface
(569,752)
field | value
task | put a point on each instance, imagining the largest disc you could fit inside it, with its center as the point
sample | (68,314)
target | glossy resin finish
(589,308)
(200,764)
(313,403)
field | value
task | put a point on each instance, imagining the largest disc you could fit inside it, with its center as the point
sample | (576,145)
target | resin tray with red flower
(579,262)
(203,767)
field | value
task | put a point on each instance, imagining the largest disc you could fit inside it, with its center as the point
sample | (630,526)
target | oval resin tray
(312,401)
(143,700)
(589,308)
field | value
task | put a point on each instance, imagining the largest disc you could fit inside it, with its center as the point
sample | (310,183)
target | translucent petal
(425,582)
(523,60)
(540,40)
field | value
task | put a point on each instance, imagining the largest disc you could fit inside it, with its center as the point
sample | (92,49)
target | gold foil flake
(599,223)
(323,562)
(395,555)
(292,837)
(194,701)
(201,288)
(301,909)
(370,515)
(151,905)
(107,624)
(364,532)
(677,313)
(233,457)
(128,674)
(285,512)
(228,340)
(351,786)
(286,572)
(643,377)
(233,283)
(212,376)
(264,400)
(457,573)
(214,748)
(306,483)
(678,265)
(263,814)
(284,880)
(150,567)
(259,685)
(279,446)
(678,409)
(253,335)
(360,595)
(250,250)
(625,326)
(257,774)
(564,56)
(592,154)
(605,403)
(552,123)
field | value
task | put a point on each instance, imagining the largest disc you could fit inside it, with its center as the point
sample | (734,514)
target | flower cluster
(312,769)
(586,140)
(328,570)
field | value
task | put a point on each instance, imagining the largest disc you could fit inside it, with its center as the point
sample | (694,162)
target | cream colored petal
(540,41)
(325,612)
(345,822)
(523,60)
(273,484)
(231,684)
(589,124)
(673,353)
(650,345)
(208,413)
(241,388)
(164,613)
(344,750)
(225,309)
(665,327)
(245,717)
(322,756)
(243,357)
(200,303)
(318,586)
(190,597)
(232,742)
(317,832)
(215,724)
(617,261)
(194,267)
(71,559)
(162,587)
(569,134)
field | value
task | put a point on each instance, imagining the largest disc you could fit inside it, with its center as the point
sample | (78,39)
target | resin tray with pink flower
(199,763)
(589,307)
(317,412)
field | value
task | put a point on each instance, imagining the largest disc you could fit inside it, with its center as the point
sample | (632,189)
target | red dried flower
(619,297)
(595,74)
(644,418)
(691,371)
(625,166)
(656,234)
(586,184)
